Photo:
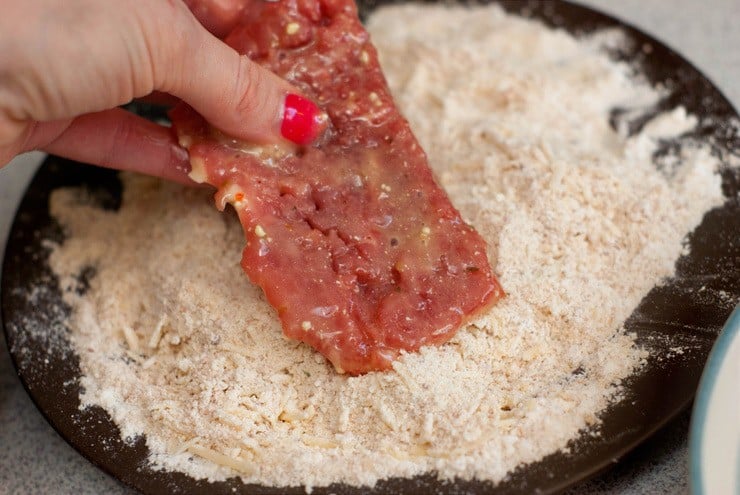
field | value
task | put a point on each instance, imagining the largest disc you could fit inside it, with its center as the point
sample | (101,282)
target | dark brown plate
(683,312)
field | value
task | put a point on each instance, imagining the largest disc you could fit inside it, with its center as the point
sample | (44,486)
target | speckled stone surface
(35,460)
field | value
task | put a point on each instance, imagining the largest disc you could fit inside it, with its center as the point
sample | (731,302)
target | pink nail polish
(303,121)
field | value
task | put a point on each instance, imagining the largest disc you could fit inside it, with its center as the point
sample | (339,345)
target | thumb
(230,91)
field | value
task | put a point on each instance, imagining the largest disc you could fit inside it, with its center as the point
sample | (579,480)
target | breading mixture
(177,345)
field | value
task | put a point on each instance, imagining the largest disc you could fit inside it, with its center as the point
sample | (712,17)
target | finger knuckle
(247,89)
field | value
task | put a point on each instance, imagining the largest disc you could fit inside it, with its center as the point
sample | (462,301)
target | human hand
(66,66)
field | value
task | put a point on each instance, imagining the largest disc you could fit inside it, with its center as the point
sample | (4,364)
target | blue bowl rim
(715,362)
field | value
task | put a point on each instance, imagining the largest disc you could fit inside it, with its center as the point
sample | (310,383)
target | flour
(177,345)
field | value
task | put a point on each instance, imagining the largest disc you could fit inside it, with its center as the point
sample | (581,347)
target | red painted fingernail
(303,121)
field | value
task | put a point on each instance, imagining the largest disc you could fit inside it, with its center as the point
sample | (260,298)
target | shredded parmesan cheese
(236,464)
(580,224)
(131,338)
(157,333)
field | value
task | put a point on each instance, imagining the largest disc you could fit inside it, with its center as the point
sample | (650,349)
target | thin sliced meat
(354,244)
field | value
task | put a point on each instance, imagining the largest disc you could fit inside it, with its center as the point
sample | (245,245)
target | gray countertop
(35,460)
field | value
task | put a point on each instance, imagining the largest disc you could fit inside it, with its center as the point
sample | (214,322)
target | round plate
(714,448)
(686,312)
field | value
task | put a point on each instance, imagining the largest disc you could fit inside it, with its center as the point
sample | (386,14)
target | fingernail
(303,121)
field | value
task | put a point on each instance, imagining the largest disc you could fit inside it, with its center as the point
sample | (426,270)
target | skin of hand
(66,66)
